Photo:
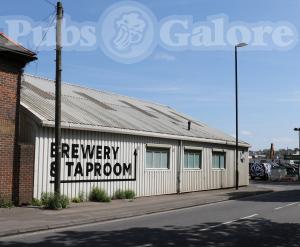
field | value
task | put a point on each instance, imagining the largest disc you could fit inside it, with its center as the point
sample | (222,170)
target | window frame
(225,156)
(158,148)
(193,150)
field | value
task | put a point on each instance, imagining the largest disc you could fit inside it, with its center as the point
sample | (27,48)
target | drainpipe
(179,167)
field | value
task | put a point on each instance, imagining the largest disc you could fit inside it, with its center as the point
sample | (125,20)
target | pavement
(269,219)
(20,220)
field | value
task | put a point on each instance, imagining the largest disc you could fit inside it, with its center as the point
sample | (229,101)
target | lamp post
(240,45)
(298,129)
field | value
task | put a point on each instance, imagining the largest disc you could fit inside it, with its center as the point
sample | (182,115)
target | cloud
(247,133)
(164,56)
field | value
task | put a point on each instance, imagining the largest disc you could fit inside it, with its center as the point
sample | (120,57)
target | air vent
(137,108)
(95,101)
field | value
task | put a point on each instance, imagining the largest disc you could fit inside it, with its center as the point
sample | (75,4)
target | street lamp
(298,129)
(240,45)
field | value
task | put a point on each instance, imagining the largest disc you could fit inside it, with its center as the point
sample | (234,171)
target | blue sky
(198,83)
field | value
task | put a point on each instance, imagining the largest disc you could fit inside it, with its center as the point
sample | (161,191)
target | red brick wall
(26,170)
(10,74)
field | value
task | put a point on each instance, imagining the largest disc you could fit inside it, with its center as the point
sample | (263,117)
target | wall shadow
(252,232)
(279,196)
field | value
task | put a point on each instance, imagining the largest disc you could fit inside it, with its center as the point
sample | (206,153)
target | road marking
(228,222)
(290,204)
(221,224)
(210,227)
(248,217)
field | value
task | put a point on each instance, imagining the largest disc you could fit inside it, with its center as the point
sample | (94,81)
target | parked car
(260,170)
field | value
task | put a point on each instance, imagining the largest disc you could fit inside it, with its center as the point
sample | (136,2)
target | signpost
(298,130)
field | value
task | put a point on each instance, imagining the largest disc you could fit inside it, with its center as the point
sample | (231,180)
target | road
(266,220)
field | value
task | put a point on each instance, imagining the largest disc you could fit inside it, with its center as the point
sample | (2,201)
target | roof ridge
(97,90)
(17,43)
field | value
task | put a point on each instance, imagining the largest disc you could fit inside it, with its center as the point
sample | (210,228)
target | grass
(80,198)
(124,194)
(5,203)
(99,195)
(54,201)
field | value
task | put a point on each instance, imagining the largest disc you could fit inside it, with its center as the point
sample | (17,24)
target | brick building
(13,59)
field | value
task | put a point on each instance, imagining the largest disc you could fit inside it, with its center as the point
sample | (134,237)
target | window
(218,160)
(157,158)
(193,159)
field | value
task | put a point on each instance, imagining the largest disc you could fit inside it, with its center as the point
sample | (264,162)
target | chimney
(189,125)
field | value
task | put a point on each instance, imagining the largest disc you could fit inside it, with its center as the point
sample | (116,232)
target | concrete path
(25,219)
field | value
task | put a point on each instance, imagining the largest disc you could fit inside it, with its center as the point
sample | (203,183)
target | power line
(48,28)
(47,1)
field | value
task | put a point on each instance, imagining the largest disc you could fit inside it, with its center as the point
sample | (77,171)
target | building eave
(51,124)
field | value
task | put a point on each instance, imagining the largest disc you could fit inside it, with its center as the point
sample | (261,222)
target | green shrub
(45,197)
(99,195)
(124,194)
(36,202)
(64,200)
(81,196)
(129,194)
(76,200)
(5,203)
(119,194)
(54,201)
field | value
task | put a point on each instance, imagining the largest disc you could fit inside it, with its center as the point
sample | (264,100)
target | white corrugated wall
(208,178)
(148,181)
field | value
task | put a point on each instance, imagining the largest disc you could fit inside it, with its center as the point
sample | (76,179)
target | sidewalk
(27,219)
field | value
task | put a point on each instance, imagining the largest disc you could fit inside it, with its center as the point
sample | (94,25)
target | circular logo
(128,32)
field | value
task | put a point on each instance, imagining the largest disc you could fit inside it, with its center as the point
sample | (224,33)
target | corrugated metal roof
(84,108)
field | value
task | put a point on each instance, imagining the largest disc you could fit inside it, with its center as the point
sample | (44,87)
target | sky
(197,83)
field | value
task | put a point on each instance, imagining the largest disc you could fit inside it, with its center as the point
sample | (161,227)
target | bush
(98,195)
(124,194)
(81,196)
(45,197)
(54,201)
(36,202)
(129,194)
(76,200)
(5,203)
(119,194)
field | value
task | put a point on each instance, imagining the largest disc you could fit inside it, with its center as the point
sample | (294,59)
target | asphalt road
(266,220)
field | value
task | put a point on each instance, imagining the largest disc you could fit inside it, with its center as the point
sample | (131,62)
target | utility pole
(59,18)
(236,123)
(237,115)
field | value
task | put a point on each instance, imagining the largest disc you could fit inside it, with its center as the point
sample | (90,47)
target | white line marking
(250,216)
(224,223)
(290,204)
(228,222)
(210,227)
